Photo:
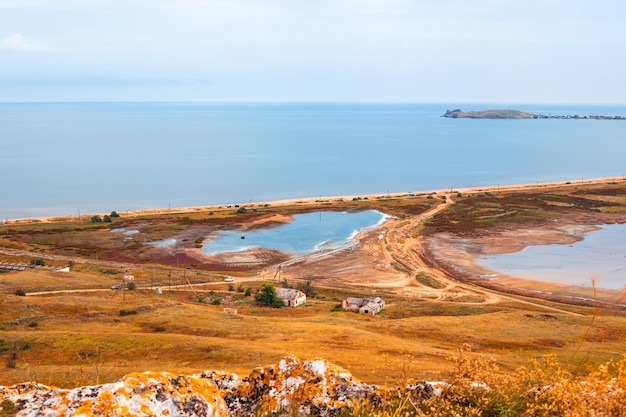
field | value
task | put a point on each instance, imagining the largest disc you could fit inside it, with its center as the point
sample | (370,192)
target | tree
(132,285)
(307,288)
(114,214)
(267,296)
(96,219)
(242,210)
(107,219)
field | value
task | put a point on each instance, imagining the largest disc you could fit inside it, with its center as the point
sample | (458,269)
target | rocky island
(516,114)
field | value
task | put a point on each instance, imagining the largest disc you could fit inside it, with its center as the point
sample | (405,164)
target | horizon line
(164,101)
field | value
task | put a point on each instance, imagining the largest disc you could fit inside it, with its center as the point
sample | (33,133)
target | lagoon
(307,233)
(601,254)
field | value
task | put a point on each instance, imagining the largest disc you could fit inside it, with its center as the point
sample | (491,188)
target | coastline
(319,200)
(386,256)
(460,257)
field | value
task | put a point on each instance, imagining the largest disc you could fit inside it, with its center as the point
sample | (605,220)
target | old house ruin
(371,306)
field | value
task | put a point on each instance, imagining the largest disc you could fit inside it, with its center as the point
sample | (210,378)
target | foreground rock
(140,394)
(291,386)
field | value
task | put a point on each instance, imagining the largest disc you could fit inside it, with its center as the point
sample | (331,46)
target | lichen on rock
(137,394)
(289,387)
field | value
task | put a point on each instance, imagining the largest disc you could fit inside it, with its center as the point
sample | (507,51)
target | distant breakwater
(516,114)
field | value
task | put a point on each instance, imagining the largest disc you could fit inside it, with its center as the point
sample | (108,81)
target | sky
(446,51)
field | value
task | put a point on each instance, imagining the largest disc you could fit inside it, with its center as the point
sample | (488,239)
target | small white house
(291,297)
(371,306)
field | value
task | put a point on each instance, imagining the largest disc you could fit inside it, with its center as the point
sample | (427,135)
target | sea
(94,158)
(62,158)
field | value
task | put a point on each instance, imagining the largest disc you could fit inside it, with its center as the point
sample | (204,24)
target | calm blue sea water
(601,253)
(306,233)
(56,159)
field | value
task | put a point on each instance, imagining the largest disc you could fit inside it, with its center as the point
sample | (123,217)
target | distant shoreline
(517,114)
(317,200)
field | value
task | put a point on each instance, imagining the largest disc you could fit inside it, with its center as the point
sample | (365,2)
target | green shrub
(131,285)
(429,281)
(8,409)
(11,361)
(267,296)
(217,301)
(38,262)
(20,292)
(159,329)
(127,312)
(33,324)
(307,288)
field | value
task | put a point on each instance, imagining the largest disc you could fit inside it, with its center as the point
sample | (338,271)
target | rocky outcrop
(290,387)
(490,114)
(138,394)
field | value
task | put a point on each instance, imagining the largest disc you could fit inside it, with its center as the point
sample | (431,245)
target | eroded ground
(427,250)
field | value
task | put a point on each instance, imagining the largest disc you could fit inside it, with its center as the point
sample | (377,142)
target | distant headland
(516,114)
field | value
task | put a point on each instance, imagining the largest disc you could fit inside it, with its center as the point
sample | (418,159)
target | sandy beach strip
(307,201)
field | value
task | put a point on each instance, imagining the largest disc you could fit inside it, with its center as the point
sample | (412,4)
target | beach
(385,257)
(321,200)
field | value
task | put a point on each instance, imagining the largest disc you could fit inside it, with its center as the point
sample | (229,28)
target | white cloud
(18,43)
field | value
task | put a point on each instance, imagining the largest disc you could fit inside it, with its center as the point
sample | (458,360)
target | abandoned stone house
(371,306)
(291,297)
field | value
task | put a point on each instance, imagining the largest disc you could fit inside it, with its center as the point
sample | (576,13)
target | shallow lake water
(601,254)
(308,232)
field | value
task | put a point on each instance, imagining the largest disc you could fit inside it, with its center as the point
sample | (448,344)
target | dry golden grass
(81,338)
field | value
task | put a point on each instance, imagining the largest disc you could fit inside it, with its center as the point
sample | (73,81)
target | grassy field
(90,334)
(72,339)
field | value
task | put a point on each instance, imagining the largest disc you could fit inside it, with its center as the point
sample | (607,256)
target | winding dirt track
(388,257)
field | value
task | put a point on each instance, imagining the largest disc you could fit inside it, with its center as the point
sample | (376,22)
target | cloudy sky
(491,51)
